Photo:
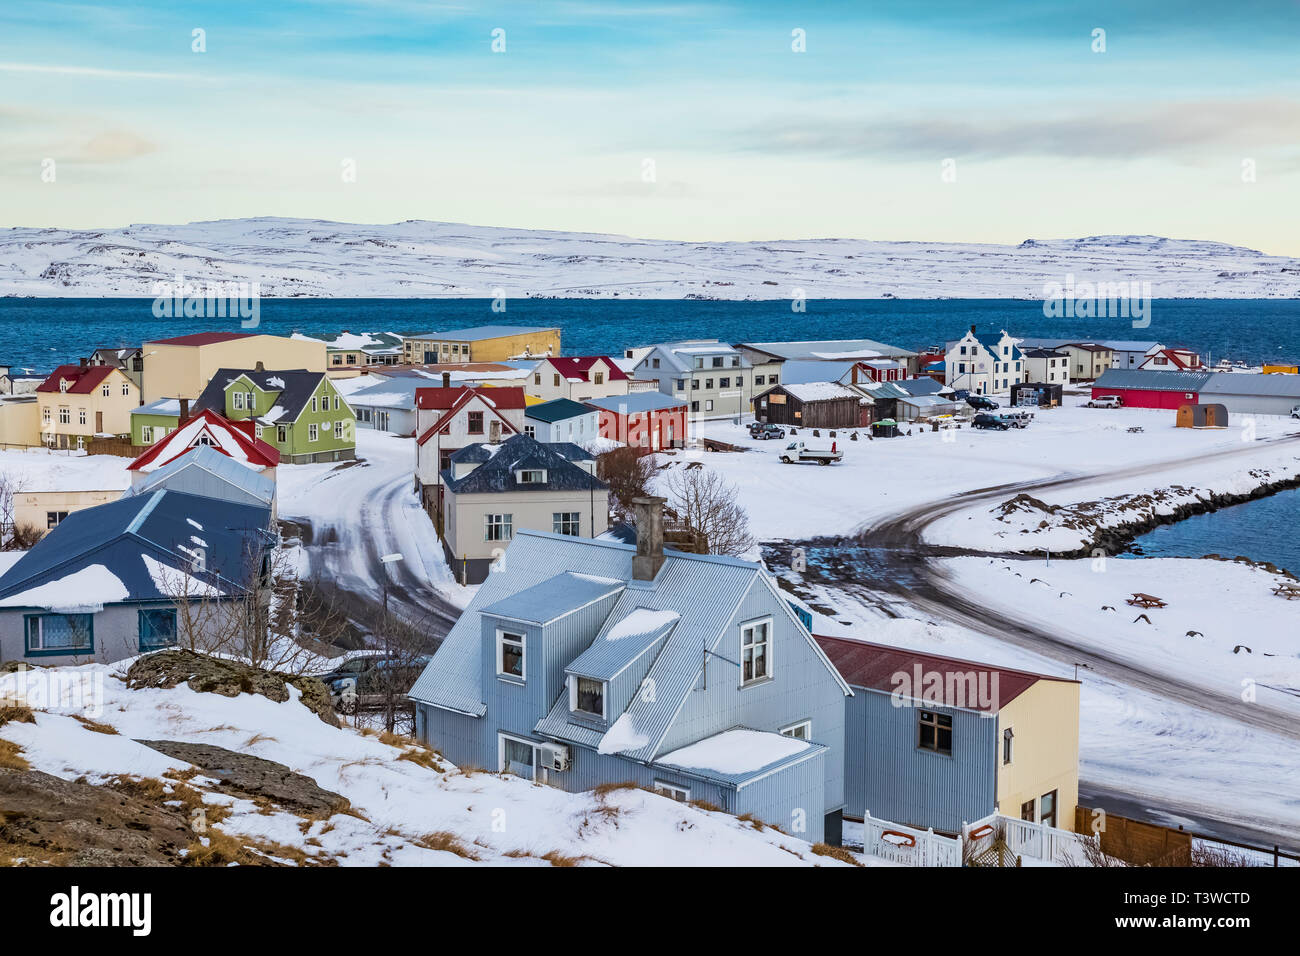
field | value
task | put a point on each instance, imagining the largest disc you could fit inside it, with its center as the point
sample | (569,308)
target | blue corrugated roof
(554,597)
(556,410)
(614,647)
(204,457)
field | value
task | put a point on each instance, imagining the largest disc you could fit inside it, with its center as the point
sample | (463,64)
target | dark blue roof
(521,453)
(556,410)
(168,527)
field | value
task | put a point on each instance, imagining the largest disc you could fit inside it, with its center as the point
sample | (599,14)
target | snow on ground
(880,478)
(498,819)
(40,469)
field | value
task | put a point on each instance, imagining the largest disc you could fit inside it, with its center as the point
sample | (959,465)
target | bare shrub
(705,504)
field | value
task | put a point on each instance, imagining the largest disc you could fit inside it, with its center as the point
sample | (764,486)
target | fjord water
(42,333)
(1262,530)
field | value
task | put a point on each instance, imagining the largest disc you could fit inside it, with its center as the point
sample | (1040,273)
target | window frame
(470,418)
(562,519)
(750,626)
(1008,746)
(937,724)
(666,788)
(140,619)
(507,523)
(29,651)
(503,674)
(577,696)
(807,728)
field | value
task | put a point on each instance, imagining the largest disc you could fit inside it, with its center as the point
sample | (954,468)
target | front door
(99,423)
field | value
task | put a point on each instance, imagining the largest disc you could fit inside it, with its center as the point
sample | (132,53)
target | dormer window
(510,655)
(63,385)
(587,696)
(531,476)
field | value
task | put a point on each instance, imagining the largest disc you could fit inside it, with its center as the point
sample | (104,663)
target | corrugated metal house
(587,662)
(1151,389)
(937,742)
(812,405)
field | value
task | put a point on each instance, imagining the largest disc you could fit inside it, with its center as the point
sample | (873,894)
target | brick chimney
(259,367)
(972,330)
(185,411)
(649,558)
(446,379)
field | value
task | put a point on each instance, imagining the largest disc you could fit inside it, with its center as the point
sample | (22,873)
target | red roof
(438,398)
(879,667)
(1182,359)
(203,338)
(84,380)
(579,366)
(232,439)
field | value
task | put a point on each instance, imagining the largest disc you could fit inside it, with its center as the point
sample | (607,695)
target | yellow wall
(1045,755)
(115,407)
(484,350)
(183,371)
(30,507)
(20,423)
(1281,369)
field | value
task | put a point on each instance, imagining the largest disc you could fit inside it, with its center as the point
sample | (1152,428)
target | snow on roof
(851,354)
(641,621)
(736,751)
(819,391)
(82,592)
(621,737)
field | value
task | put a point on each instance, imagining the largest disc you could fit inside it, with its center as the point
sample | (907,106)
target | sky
(897,120)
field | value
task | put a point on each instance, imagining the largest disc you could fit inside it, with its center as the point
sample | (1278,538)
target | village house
(1171,360)
(38,508)
(580,378)
(236,440)
(388,405)
(129,360)
(1088,360)
(182,367)
(79,403)
(813,405)
(646,421)
(204,470)
(714,378)
(1124,353)
(984,364)
(346,353)
(449,418)
(543,677)
(20,421)
(485,343)
(561,420)
(768,357)
(936,742)
(23,382)
(1151,389)
(300,413)
(492,491)
(1046,366)
(109,582)
(151,422)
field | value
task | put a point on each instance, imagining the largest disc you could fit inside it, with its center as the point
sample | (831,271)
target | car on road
(368,674)
(798,451)
(990,421)
(1017,419)
(979,401)
(1106,401)
(765,430)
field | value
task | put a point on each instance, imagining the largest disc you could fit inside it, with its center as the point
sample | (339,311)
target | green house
(299,412)
(151,422)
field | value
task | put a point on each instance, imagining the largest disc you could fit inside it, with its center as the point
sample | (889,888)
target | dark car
(763,431)
(372,673)
(979,401)
(990,421)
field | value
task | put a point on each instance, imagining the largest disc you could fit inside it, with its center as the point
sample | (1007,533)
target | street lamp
(387,560)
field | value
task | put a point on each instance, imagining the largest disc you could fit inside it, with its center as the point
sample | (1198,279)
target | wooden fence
(1139,843)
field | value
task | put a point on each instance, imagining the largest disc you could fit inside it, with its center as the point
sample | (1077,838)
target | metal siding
(790,797)
(904,784)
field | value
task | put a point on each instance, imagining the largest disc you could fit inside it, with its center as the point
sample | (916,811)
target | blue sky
(748,139)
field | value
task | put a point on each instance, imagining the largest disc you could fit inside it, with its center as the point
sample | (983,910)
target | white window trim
(502,674)
(665,787)
(807,724)
(237,401)
(313,432)
(770,669)
(573,696)
(501,751)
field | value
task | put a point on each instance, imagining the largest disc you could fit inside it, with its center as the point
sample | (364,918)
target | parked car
(369,673)
(765,430)
(1295,412)
(1017,419)
(1106,401)
(990,421)
(797,451)
(979,401)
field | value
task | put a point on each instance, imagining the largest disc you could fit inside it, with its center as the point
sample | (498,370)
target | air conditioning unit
(556,757)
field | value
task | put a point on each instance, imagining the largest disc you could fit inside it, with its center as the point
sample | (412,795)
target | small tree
(10,535)
(628,475)
(705,503)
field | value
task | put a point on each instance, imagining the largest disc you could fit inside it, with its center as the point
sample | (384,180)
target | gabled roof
(225,436)
(554,598)
(917,387)
(161,406)
(829,349)
(1152,381)
(148,544)
(398,393)
(218,465)
(1043,353)
(520,453)
(203,338)
(798,371)
(556,410)
(1175,356)
(993,342)
(634,402)
(1249,383)
(451,400)
(816,391)
(878,667)
(293,389)
(83,380)
(580,366)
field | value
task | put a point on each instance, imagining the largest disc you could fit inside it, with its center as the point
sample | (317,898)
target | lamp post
(388,559)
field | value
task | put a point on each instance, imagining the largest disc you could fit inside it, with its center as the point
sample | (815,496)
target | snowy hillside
(298,257)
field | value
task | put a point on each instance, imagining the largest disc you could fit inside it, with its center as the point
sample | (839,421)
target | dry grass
(556,858)
(836,853)
(447,842)
(752,820)
(258,738)
(603,790)
(16,713)
(705,805)
(221,850)
(149,789)
(420,756)
(189,773)
(11,757)
(95,726)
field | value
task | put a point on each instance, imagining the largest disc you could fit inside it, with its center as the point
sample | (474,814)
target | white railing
(1025,839)
(907,845)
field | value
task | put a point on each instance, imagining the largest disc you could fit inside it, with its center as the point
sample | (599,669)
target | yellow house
(80,402)
(19,421)
(181,367)
(40,511)
(485,343)
(1281,369)
(1038,759)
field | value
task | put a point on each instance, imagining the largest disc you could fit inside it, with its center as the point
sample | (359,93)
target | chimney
(856,366)
(972,330)
(185,411)
(85,363)
(259,367)
(446,379)
(649,537)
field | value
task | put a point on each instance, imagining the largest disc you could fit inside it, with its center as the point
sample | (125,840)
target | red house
(1140,389)
(647,421)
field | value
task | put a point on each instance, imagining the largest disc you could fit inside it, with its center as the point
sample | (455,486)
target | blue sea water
(42,333)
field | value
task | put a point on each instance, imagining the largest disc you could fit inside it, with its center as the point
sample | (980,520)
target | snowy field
(39,469)
(403,807)
(879,478)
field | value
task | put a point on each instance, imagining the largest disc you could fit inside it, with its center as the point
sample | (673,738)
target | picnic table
(1288,591)
(1145,600)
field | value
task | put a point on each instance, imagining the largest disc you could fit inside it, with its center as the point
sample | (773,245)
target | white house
(1046,366)
(984,364)
(562,420)
(579,377)
(450,418)
(715,379)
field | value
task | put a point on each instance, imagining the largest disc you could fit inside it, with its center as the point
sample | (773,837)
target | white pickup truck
(798,451)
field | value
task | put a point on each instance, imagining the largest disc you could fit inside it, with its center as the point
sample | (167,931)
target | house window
(1008,736)
(336,359)
(475,423)
(936,732)
(724,383)
(313,432)
(799,731)
(146,434)
(708,383)
(673,791)
(717,362)
(257,432)
(530,431)
(81,416)
(444,461)
(157,628)
(1047,809)
(532,476)
(510,655)
(755,651)
(695,406)
(772,380)
(1027,811)
(60,634)
(566,522)
(739,381)
(518,757)
(600,378)
(52,518)
(758,379)
(239,401)
(589,697)
(338,429)
(336,403)
(708,404)
(104,390)
(695,383)
(498,527)
(281,433)
(126,388)
(45,415)
(654,363)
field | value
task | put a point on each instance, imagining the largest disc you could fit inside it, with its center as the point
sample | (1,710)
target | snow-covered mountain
(302,257)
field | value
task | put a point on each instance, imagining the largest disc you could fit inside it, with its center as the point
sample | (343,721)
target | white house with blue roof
(984,364)
(581,662)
